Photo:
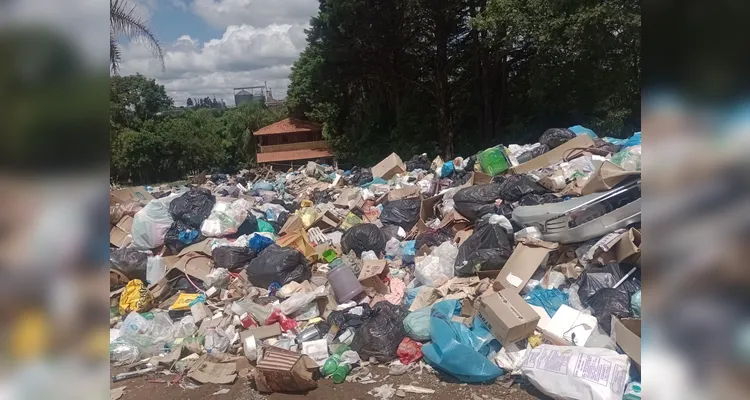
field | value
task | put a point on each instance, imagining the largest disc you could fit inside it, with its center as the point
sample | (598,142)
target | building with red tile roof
(291,140)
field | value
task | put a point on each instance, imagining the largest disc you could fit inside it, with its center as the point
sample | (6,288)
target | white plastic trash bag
(156,268)
(151,223)
(225,218)
(577,373)
(437,268)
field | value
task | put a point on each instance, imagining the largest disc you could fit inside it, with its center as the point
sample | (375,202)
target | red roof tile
(289,125)
(293,155)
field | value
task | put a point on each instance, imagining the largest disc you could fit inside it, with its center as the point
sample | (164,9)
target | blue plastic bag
(263,185)
(580,130)
(379,181)
(551,299)
(457,350)
(411,294)
(417,324)
(408,252)
(625,143)
(447,169)
(188,236)
(258,243)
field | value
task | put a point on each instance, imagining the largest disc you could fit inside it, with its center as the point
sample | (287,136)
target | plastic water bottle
(332,363)
(339,375)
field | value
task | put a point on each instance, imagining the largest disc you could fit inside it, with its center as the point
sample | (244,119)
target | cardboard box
(293,223)
(262,332)
(627,334)
(427,211)
(389,167)
(298,240)
(129,195)
(280,370)
(525,260)
(327,221)
(371,277)
(480,178)
(404,193)
(553,156)
(119,235)
(348,198)
(508,316)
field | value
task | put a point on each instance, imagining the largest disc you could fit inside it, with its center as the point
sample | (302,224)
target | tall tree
(189,102)
(123,20)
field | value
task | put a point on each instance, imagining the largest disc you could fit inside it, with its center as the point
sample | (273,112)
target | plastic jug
(345,284)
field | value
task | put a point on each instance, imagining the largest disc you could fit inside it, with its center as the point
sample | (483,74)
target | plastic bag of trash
(629,159)
(488,248)
(436,268)
(225,218)
(420,161)
(278,264)
(135,297)
(474,201)
(433,237)
(363,237)
(258,243)
(566,372)
(155,269)
(216,341)
(380,336)
(550,300)
(595,278)
(515,187)
(218,278)
(231,257)
(151,223)
(607,303)
(555,137)
(131,262)
(531,154)
(417,324)
(458,350)
(181,235)
(193,207)
(404,213)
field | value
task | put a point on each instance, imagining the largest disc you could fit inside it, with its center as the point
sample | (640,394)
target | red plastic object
(287,324)
(409,351)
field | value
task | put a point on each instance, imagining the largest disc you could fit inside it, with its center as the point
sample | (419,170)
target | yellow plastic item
(183,301)
(350,221)
(135,297)
(306,203)
(308,216)
(535,340)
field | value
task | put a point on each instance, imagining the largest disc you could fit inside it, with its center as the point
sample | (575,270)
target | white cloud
(221,13)
(243,56)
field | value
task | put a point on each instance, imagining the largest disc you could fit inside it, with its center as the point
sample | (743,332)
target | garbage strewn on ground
(521,261)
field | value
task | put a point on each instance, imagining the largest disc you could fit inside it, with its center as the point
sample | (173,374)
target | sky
(212,46)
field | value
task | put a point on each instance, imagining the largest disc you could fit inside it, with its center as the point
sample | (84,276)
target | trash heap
(520,260)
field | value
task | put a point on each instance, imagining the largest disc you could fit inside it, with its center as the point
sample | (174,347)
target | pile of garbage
(520,260)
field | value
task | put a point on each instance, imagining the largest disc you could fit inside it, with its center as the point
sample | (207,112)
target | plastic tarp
(488,248)
(363,237)
(403,213)
(278,264)
(458,350)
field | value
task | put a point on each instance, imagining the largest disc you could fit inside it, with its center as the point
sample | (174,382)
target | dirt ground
(155,386)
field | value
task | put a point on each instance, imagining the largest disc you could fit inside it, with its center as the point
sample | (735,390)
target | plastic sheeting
(550,300)
(458,350)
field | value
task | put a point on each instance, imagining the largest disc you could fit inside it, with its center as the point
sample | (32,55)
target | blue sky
(213,46)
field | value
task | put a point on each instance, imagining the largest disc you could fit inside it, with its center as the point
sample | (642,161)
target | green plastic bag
(264,226)
(493,160)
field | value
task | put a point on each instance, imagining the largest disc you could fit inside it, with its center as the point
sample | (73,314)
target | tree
(189,102)
(124,21)
(135,99)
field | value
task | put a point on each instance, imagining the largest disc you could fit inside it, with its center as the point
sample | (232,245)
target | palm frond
(124,21)
(115,55)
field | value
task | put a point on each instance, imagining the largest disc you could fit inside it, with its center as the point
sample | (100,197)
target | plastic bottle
(339,375)
(332,363)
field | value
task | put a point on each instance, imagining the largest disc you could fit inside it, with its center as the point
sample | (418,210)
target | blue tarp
(458,350)
(551,299)
(580,130)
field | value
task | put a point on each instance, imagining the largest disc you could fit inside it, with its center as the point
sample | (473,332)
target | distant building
(291,140)
(260,94)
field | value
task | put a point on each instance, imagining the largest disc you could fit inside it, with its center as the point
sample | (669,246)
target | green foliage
(149,144)
(416,76)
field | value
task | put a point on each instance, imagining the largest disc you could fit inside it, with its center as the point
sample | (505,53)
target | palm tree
(124,21)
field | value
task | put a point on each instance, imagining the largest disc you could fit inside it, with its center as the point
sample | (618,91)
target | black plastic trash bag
(433,237)
(536,199)
(515,187)
(533,153)
(404,213)
(363,237)
(181,235)
(129,261)
(460,178)
(380,336)
(469,167)
(487,249)
(352,317)
(192,207)
(248,226)
(474,201)
(278,264)
(232,257)
(390,231)
(418,162)
(607,303)
(360,176)
(282,218)
(596,278)
(555,137)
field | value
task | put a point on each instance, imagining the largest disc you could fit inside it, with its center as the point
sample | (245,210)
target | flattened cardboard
(371,276)
(293,224)
(119,235)
(606,177)
(627,334)
(128,195)
(522,264)
(262,332)
(327,221)
(347,195)
(389,167)
(480,178)
(508,316)
(204,247)
(427,212)
(298,240)
(280,370)
(553,156)
(404,193)
(194,264)
(205,371)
